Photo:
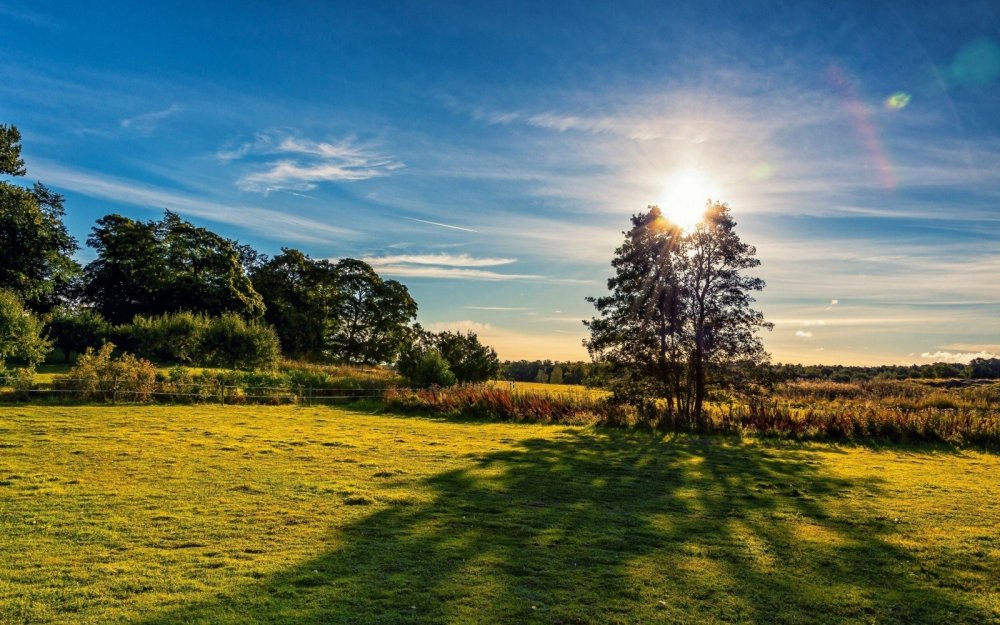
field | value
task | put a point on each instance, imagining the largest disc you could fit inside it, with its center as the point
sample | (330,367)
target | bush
(73,331)
(172,337)
(20,332)
(233,342)
(432,370)
(99,376)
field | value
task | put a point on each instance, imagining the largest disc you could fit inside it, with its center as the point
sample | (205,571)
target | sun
(684,194)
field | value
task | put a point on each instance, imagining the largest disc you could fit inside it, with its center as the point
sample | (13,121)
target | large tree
(35,249)
(371,321)
(300,294)
(155,267)
(679,315)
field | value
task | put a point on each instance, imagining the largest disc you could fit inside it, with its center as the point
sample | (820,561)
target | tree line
(173,291)
(552,372)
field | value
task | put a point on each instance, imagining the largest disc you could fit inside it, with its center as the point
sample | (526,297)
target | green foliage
(573,372)
(149,268)
(232,341)
(99,376)
(172,337)
(300,295)
(432,370)
(21,332)
(11,163)
(74,330)
(467,358)
(35,248)
(370,323)
(679,319)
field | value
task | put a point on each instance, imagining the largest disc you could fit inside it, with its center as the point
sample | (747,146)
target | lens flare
(897,101)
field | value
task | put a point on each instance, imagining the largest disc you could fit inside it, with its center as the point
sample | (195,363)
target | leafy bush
(20,332)
(99,376)
(172,337)
(432,370)
(73,331)
(233,342)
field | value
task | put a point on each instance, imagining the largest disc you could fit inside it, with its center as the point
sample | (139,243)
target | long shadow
(610,527)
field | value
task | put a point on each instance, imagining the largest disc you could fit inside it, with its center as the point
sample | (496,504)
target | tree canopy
(301,295)
(154,267)
(371,320)
(679,314)
(36,251)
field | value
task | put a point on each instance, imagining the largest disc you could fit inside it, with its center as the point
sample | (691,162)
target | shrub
(432,370)
(99,376)
(73,331)
(172,337)
(233,342)
(20,332)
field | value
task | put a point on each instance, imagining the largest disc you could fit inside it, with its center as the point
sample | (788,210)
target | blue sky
(488,155)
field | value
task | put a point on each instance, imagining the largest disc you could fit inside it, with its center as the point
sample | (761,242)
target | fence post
(309,396)
(222,394)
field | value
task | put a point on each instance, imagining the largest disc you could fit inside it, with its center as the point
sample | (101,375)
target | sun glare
(684,194)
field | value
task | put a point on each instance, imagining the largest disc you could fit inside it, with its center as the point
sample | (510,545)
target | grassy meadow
(280,514)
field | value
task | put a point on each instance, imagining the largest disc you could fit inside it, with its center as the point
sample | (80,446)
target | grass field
(293,515)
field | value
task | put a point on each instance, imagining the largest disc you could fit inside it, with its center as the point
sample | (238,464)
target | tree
(640,333)
(720,303)
(467,357)
(11,163)
(370,323)
(21,332)
(35,249)
(679,317)
(300,296)
(151,268)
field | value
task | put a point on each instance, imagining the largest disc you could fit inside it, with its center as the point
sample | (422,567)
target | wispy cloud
(146,123)
(268,222)
(804,334)
(497,308)
(451,260)
(459,273)
(292,163)
(453,267)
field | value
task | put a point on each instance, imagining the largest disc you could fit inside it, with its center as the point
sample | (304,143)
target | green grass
(293,515)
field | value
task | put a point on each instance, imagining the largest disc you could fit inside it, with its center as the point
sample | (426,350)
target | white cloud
(453,267)
(271,223)
(957,357)
(145,123)
(304,163)
(499,308)
(461,273)
(803,333)
(452,260)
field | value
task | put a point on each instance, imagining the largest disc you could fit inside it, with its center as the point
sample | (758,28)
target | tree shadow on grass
(611,527)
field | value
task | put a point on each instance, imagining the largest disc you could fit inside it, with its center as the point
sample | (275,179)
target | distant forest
(579,372)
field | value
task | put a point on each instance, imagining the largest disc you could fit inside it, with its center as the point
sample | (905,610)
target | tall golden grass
(886,410)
